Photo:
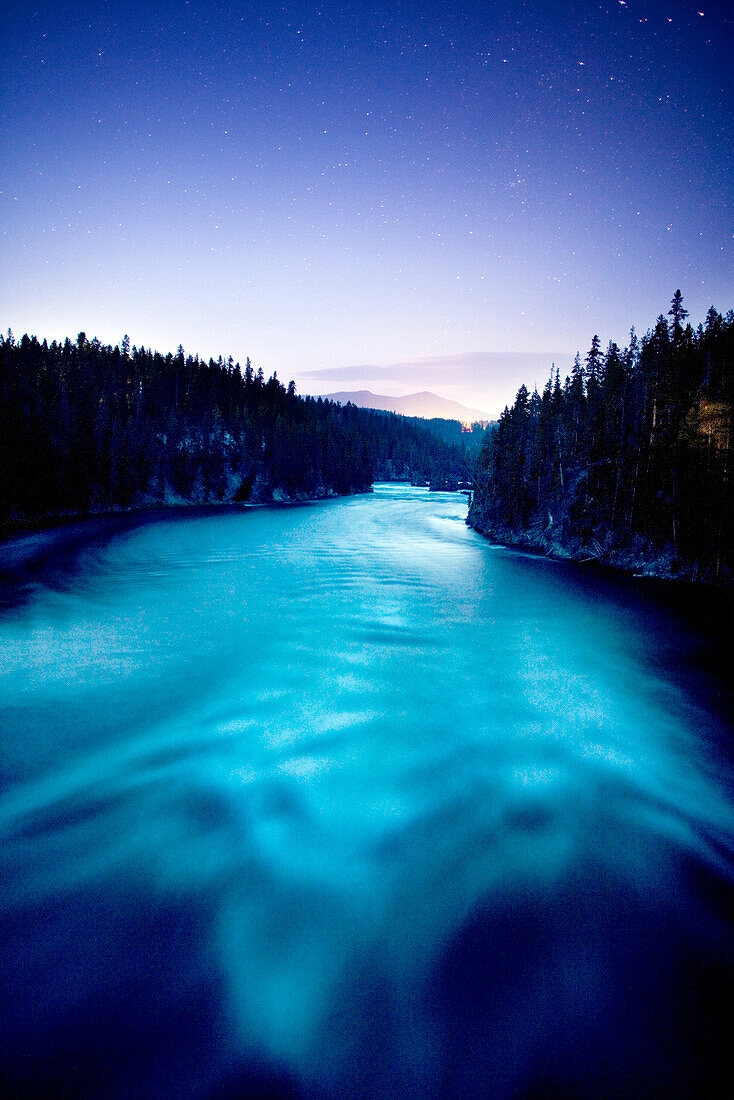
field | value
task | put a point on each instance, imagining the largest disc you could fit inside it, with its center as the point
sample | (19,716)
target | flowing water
(340,800)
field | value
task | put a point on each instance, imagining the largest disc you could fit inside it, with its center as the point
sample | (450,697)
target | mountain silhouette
(424,404)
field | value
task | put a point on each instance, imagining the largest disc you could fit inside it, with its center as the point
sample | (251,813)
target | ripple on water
(340,801)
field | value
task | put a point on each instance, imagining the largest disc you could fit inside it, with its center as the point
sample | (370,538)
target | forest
(87,427)
(628,461)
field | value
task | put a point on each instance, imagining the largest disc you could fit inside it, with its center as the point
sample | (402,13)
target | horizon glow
(324,187)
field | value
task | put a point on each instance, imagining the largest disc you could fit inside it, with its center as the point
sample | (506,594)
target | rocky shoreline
(633,555)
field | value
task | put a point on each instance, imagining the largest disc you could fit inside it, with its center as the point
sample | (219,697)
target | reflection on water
(340,800)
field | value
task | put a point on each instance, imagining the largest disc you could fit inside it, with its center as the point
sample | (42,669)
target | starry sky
(396,195)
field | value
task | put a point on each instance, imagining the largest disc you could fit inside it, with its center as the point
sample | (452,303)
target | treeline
(452,431)
(426,452)
(628,460)
(89,427)
(406,448)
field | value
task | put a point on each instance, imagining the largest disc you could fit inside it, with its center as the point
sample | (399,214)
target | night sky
(384,195)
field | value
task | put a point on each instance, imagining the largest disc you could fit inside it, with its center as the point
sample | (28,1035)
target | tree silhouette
(629,457)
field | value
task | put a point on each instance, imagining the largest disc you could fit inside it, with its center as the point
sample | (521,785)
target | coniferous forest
(88,427)
(628,461)
(625,462)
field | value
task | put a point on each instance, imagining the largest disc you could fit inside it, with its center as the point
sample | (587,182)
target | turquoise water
(341,800)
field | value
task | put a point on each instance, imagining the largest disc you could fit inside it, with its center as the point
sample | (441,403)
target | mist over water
(341,800)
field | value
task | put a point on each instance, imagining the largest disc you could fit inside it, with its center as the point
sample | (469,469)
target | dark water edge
(705,612)
(567,936)
(50,550)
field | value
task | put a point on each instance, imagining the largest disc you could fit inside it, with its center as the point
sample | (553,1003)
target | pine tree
(678,314)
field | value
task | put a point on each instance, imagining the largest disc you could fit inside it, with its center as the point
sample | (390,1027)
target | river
(340,800)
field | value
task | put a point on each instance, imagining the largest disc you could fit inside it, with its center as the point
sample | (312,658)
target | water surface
(341,800)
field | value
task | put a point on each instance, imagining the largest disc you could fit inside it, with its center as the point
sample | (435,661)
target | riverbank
(15,528)
(635,555)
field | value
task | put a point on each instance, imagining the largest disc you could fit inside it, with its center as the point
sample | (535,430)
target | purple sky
(457,194)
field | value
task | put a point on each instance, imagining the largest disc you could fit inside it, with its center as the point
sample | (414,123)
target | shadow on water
(687,630)
(63,555)
(340,801)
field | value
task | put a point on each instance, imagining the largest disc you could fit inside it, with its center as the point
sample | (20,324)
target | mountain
(424,404)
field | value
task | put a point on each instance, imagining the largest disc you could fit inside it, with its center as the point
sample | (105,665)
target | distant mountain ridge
(424,404)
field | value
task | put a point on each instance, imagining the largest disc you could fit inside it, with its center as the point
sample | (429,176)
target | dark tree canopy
(88,427)
(630,460)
